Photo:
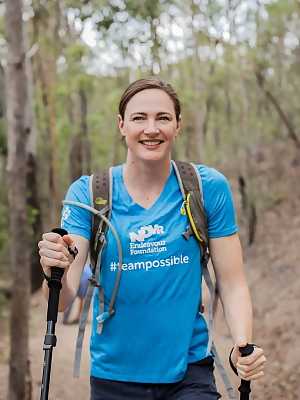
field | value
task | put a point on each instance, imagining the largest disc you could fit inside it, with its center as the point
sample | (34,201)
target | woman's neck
(149,177)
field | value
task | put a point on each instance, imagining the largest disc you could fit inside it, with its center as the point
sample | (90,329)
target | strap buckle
(94,282)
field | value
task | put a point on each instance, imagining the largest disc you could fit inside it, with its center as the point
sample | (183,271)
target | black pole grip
(245,388)
(56,272)
(246,350)
(55,285)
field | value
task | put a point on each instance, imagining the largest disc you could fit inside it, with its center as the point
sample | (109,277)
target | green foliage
(207,50)
(32,214)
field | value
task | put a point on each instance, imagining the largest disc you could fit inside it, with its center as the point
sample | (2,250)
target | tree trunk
(156,64)
(86,147)
(33,201)
(195,143)
(33,204)
(282,114)
(47,18)
(2,100)
(248,210)
(75,158)
(80,153)
(16,95)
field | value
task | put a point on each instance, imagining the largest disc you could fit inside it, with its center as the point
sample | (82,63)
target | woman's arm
(226,255)
(227,261)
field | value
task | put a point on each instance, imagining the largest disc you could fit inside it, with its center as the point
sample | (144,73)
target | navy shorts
(197,384)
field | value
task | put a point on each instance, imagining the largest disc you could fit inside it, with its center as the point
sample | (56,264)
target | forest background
(236,67)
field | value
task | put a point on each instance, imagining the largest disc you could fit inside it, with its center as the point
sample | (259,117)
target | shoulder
(79,190)
(218,202)
(81,182)
(212,179)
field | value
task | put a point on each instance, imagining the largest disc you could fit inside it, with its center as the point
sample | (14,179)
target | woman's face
(149,125)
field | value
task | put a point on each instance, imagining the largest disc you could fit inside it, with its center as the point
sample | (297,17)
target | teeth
(151,143)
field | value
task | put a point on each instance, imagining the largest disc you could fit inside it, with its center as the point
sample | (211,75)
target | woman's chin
(153,156)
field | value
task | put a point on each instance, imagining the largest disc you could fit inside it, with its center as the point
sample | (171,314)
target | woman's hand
(251,367)
(53,250)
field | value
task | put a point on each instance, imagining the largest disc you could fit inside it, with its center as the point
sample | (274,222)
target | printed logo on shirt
(65,214)
(146,232)
(148,265)
(140,245)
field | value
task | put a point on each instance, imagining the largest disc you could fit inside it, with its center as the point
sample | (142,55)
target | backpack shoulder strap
(190,183)
(101,199)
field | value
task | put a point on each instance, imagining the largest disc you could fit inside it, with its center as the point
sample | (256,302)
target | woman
(155,346)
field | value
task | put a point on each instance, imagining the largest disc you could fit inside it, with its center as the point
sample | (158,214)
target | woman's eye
(164,118)
(138,118)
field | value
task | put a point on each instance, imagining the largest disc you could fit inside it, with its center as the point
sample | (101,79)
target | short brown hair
(149,83)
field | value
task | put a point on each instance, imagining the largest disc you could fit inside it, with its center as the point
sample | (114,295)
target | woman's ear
(121,125)
(178,127)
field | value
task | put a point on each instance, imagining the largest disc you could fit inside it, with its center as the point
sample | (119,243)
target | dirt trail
(63,386)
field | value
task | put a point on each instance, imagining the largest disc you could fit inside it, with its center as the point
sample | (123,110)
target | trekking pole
(244,388)
(54,284)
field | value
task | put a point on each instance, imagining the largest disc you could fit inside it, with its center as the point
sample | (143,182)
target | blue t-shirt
(157,328)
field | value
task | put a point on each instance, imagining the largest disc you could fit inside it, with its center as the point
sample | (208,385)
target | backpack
(100,186)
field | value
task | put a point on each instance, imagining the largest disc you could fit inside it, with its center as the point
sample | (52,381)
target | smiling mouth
(151,142)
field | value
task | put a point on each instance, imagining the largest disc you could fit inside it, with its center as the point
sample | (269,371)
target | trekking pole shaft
(247,390)
(50,338)
(47,364)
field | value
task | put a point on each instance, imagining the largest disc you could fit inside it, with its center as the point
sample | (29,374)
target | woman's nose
(151,128)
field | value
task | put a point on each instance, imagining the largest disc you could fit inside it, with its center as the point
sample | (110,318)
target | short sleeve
(218,203)
(74,219)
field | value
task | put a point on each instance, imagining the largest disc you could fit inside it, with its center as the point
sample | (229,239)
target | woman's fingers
(57,255)
(52,237)
(249,367)
(252,366)
(52,262)
(45,245)
(252,377)
(246,373)
(53,251)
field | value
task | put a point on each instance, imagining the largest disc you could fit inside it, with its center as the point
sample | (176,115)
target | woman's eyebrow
(164,113)
(138,113)
(145,114)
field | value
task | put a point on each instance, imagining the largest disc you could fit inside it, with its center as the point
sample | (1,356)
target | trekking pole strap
(211,305)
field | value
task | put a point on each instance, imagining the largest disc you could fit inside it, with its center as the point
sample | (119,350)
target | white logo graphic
(146,232)
(65,214)
(147,265)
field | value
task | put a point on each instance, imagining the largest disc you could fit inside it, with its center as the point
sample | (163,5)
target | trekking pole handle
(244,388)
(246,350)
(57,272)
